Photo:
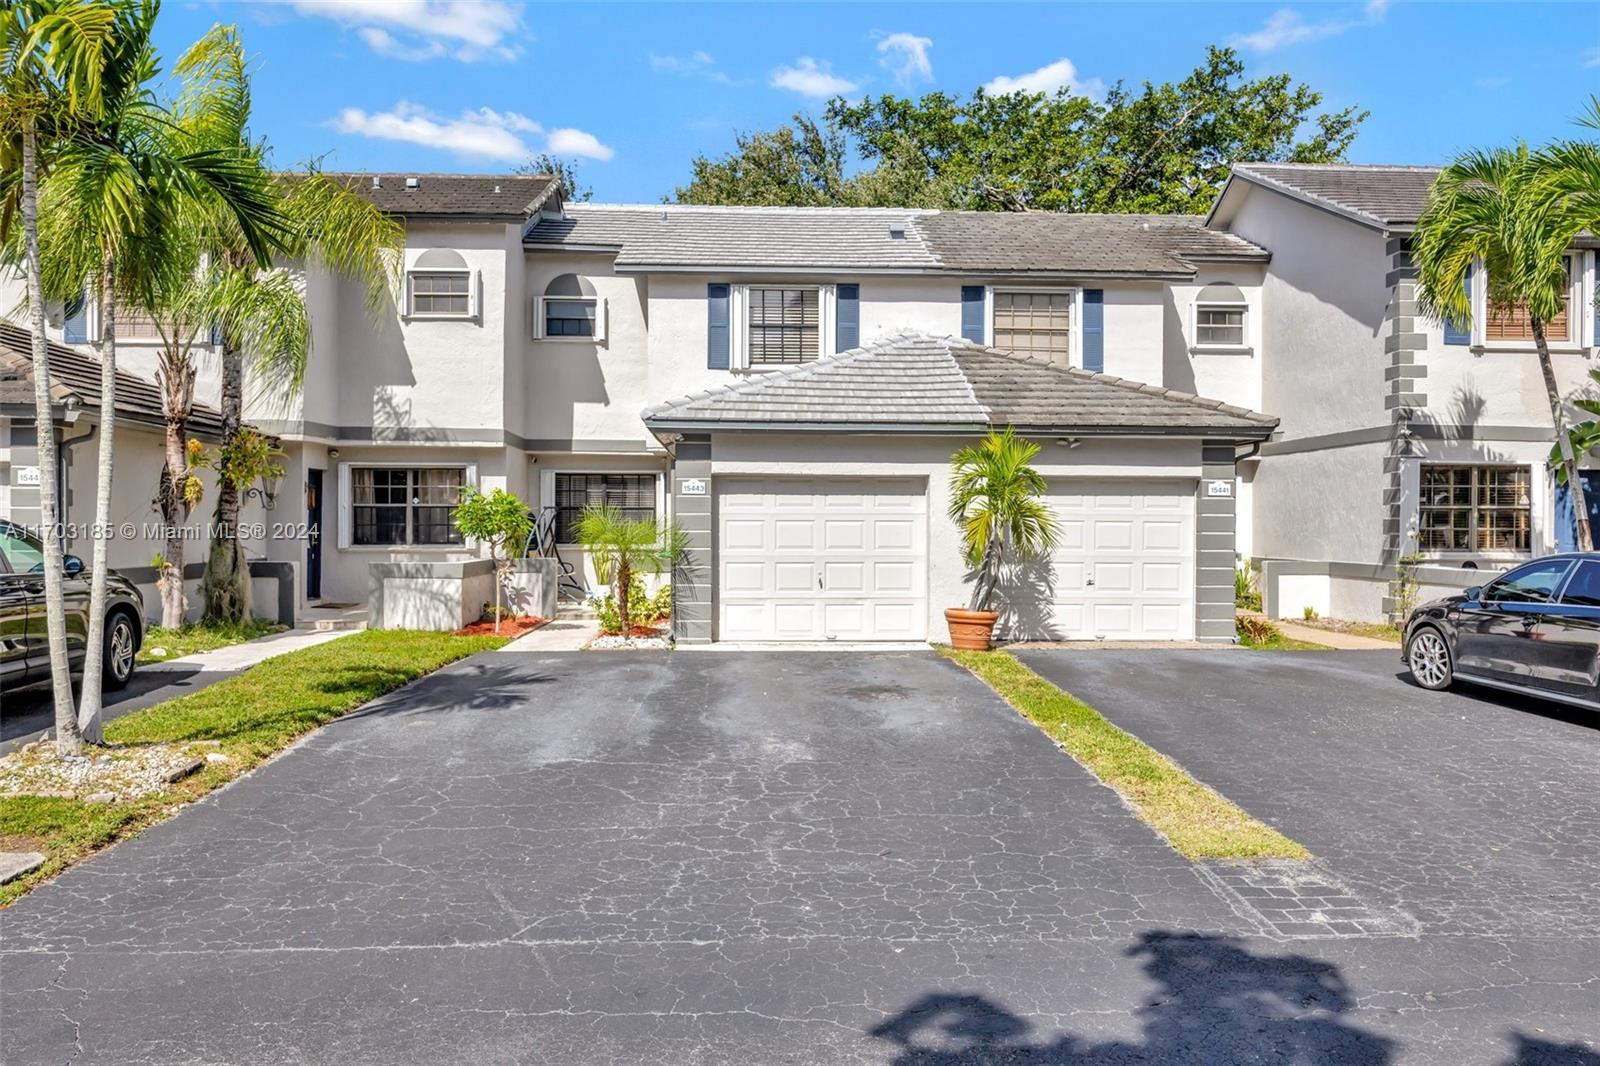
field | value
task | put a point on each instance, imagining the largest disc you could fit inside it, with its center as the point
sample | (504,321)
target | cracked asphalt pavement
(800,857)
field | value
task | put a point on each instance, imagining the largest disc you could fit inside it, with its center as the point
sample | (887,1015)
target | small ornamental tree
(499,520)
(628,546)
(997,500)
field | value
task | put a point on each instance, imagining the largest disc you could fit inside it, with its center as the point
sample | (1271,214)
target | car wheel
(118,651)
(1428,657)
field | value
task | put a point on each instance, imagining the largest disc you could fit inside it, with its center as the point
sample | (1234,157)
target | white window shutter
(536,318)
(472,474)
(600,320)
(345,517)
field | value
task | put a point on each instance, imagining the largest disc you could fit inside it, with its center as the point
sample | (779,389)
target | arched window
(571,310)
(440,285)
(1219,312)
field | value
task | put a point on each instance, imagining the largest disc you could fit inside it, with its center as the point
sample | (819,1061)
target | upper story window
(440,285)
(1219,317)
(785,325)
(1514,323)
(571,310)
(1034,323)
(1474,508)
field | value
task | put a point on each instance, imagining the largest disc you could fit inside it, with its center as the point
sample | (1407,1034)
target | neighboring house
(1400,436)
(806,375)
(137,536)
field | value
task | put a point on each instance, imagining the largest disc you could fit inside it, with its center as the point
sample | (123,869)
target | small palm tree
(1507,210)
(629,546)
(997,500)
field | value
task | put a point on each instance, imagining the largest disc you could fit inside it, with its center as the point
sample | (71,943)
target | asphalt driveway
(717,858)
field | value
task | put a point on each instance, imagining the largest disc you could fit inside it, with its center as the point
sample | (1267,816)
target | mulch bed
(509,627)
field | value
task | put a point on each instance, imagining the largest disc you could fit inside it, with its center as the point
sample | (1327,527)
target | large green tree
(1159,148)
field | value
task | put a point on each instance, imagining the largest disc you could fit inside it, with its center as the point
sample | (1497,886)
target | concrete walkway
(1328,638)
(565,633)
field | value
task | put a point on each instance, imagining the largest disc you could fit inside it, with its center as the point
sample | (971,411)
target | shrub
(643,610)
(1256,630)
(1247,586)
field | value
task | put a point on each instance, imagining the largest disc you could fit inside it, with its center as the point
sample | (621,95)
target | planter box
(531,588)
(440,596)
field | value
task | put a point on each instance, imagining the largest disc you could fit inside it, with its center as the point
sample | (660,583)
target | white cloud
(1591,58)
(481,134)
(907,55)
(568,141)
(1287,26)
(415,30)
(1061,74)
(694,65)
(809,78)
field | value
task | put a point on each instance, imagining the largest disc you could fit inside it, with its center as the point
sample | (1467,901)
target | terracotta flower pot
(970,630)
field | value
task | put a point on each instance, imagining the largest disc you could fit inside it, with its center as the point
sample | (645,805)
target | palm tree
(49,56)
(629,546)
(996,498)
(119,189)
(1503,209)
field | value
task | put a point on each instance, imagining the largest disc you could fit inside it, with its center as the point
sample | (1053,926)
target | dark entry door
(313,534)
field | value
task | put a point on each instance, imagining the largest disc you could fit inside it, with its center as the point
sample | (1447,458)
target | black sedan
(1535,629)
(24,642)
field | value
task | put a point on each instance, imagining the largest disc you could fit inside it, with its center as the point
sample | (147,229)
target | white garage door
(1124,569)
(821,559)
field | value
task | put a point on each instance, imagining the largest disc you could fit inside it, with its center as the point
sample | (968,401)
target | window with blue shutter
(1453,334)
(75,324)
(1094,330)
(717,326)
(847,318)
(972,313)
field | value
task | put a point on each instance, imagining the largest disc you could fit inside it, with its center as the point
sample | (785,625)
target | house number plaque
(692,486)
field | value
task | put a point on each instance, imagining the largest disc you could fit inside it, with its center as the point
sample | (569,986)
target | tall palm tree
(997,498)
(119,187)
(1502,209)
(49,56)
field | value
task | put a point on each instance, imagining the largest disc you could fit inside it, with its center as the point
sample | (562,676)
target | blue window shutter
(75,325)
(1452,335)
(847,318)
(972,313)
(1094,330)
(717,326)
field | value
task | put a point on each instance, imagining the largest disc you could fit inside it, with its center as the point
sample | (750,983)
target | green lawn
(250,717)
(197,638)
(1195,820)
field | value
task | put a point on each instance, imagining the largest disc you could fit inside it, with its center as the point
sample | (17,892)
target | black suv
(1535,629)
(24,641)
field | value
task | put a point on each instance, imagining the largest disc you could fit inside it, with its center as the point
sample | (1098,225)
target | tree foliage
(1159,148)
(629,546)
(565,170)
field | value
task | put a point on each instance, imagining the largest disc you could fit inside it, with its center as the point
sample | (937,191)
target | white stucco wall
(928,459)
(1220,374)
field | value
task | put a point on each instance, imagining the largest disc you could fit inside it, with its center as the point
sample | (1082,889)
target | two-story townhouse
(1400,436)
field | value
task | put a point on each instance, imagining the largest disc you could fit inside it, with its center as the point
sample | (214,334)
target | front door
(313,534)
(1497,635)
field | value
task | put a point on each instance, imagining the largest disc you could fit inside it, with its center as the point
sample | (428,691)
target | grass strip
(196,638)
(1194,819)
(251,717)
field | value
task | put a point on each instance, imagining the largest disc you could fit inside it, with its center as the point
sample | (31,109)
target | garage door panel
(852,565)
(1123,568)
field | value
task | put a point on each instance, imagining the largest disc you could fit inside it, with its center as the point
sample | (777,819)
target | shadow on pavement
(31,710)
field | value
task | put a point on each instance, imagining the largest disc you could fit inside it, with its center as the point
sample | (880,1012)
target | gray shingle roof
(486,196)
(773,237)
(73,374)
(969,242)
(919,382)
(1383,195)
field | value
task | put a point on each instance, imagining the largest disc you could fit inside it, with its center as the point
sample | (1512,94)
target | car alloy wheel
(1429,659)
(119,649)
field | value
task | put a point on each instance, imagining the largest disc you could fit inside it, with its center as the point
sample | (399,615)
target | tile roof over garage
(1387,196)
(74,375)
(677,237)
(509,197)
(917,382)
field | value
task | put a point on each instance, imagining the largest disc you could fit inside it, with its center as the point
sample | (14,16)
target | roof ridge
(1415,167)
(731,209)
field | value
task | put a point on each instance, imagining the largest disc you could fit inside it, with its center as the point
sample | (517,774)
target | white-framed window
(570,310)
(439,284)
(1221,316)
(401,505)
(1034,322)
(780,324)
(1513,325)
(1474,508)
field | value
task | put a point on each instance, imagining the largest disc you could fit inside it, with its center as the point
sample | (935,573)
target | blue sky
(635,91)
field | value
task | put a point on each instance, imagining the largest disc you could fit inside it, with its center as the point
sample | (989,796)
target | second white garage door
(821,559)
(1124,569)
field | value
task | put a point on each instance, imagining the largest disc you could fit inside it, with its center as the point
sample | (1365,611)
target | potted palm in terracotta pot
(998,501)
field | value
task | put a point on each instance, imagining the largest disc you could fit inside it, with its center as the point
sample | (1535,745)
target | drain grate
(1294,899)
